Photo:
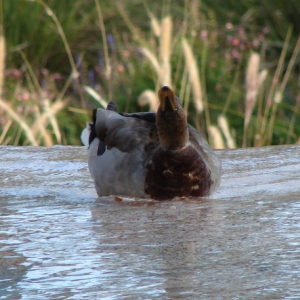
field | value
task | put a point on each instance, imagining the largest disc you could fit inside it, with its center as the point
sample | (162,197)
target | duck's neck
(172,129)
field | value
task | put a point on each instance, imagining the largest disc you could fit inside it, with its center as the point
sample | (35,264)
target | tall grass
(42,112)
(237,81)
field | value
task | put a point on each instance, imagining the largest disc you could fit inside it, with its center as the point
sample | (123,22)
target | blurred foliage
(222,35)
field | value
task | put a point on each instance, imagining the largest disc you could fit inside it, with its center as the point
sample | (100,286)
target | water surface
(59,241)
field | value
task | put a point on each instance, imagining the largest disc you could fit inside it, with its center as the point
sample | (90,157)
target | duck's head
(171,120)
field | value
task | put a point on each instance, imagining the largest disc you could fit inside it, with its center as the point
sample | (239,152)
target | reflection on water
(57,240)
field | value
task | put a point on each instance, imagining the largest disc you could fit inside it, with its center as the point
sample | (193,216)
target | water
(59,241)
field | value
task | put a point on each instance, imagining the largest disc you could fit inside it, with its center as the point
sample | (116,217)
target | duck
(150,155)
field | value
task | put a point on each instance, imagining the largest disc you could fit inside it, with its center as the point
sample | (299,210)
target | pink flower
(241,31)
(121,68)
(236,42)
(265,30)
(255,43)
(126,53)
(26,96)
(229,26)
(203,34)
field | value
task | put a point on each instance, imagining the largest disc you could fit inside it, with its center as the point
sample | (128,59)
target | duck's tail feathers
(89,133)
(85,135)
(112,106)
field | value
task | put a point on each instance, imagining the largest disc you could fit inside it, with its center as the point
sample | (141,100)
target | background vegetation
(234,64)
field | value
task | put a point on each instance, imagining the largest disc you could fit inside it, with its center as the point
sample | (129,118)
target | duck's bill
(167,99)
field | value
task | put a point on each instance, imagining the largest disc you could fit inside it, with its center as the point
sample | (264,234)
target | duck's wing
(120,148)
(121,130)
(208,155)
(146,116)
(125,132)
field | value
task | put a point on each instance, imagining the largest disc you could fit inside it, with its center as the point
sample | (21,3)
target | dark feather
(112,106)
(145,116)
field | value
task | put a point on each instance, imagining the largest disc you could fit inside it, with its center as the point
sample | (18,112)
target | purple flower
(111,41)
(91,76)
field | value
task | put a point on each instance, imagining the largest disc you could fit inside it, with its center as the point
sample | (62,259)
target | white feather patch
(85,135)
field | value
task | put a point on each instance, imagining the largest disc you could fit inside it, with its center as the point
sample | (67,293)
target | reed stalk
(53,120)
(154,62)
(155,24)
(183,90)
(149,97)
(32,75)
(165,51)
(187,95)
(2,60)
(95,96)
(293,120)
(160,63)
(5,106)
(37,87)
(254,80)
(279,92)
(18,119)
(203,83)
(215,137)
(75,74)
(273,87)
(232,86)
(134,30)
(156,27)
(42,129)
(51,14)
(4,131)
(194,77)
(57,106)
(223,124)
(104,40)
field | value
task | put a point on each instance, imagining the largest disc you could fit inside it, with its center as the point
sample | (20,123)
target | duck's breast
(180,173)
(209,157)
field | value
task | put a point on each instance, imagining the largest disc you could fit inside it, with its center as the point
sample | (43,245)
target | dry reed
(264,136)
(254,80)
(52,119)
(75,73)
(149,97)
(42,132)
(53,109)
(39,128)
(18,119)
(215,137)
(279,91)
(95,95)
(161,62)
(134,30)
(2,60)
(156,27)
(4,132)
(154,62)
(194,77)
(165,51)
(293,119)
(4,105)
(104,40)
(223,124)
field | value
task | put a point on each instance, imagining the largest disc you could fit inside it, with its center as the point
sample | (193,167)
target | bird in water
(150,155)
